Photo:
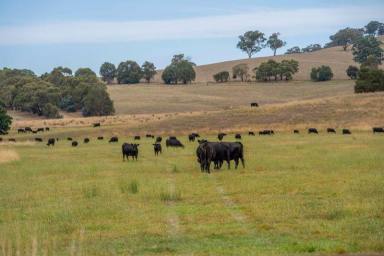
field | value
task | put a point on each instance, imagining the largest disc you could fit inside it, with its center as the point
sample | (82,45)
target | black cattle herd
(207,152)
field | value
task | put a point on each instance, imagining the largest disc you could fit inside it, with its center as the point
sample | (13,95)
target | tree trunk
(274,52)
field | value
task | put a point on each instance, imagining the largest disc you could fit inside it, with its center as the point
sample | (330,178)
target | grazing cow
(47,129)
(69,138)
(51,142)
(96,125)
(251,133)
(137,137)
(157,148)
(38,139)
(40,130)
(196,135)
(254,104)
(20,130)
(130,150)
(312,130)
(100,138)
(266,132)
(150,136)
(28,129)
(159,139)
(238,136)
(114,139)
(86,140)
(378,130)
(346,132)
(173,142)
(12,140)
(205,154)
(75,143)
(296,131)
(331,130)
(34,132)
(221,135)
(172,138)
(191,137)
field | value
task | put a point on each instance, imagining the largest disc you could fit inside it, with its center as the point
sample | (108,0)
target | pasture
(298,194)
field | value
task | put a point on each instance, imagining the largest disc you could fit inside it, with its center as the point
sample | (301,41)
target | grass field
(297,195)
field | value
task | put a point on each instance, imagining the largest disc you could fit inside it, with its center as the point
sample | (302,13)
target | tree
(108,72)
(323,73)
(129,72)
(240,70)
(86,75)
(366,46)
(221,77)
(50,111)
(372,27)
(5,120)
(371,62)
(273,69)
(380,31)
(352,72)
(251,42)
(97,103)
(63,70)
(311,48)
(295,49)
(370,80)
(274,42)
(149,71)
(345,37)
(180,70)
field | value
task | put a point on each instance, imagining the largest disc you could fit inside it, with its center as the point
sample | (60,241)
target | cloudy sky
(42,34)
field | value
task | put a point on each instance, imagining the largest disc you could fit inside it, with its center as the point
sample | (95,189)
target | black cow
(150,136)
(75,143)
(40,130)
(130,150)
(12,140)
(238,136)
(157,148)
(296,131)
(1,139)
(172,138)
(137,137)
(378,130)
(159,139)
(312,130)
(38,139)
(20,130)
(173,142)
(69,138)
(236,152)
(114,139)
(47,129)
(86,140)
(28,129)
(51,142)
(254,104)
(100,138)
(251,133)
(346,131)
(221,135)
(191,137)
(196,135)
(96,125)
(266,132)
(331,130)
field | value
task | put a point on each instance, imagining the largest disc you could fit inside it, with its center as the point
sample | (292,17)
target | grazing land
(298,194)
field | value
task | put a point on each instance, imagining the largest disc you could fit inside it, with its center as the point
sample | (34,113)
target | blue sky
(42,34)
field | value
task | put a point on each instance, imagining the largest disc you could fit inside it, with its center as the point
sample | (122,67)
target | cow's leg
(236,163)
(242,162)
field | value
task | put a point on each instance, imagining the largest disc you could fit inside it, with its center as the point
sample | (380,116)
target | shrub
(97,103)
(129,72)
(221,77)
(323,73)
(240,70)
(352,72)
(51,111)
(272,69)
(370,80)
(5,120)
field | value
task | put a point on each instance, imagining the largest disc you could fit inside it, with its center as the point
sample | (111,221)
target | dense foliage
(221,77)
(352,72)
(240,70)
(272,70)
(370,80)
(5,120)
(323,73)
(251,42)
(108,72)
(345,37)
(367,46)
(129,72)
(274,42)
(149,71)
(44,96)
(180,70)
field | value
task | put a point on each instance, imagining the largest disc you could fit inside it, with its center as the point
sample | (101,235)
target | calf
(346,131)
(75,143)
(157,148)
(86,140)
(113,139)
(378,130)
(254,104)
(130,150)
(331,130)
(51,142)
(173,142)
(238,136)
(96,125)
(312,130)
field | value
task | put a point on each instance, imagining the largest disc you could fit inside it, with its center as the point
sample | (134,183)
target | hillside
(334,57)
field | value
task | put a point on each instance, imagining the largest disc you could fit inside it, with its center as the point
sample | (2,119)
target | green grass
(297,195)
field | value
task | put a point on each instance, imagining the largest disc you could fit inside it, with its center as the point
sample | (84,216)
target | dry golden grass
(7,155)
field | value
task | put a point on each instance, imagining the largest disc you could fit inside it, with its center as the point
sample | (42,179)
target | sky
(43,34)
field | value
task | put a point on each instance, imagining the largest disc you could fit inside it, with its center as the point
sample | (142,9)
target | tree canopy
(149,71)
(367,46)
(241,70)
(345,37)
(129,72)
(272,69)
(108,72)
(323,73)
(251,42)
(5,119)
(274,42)
(180,70)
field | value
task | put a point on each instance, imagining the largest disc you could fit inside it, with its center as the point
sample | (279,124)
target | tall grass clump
(129,187)
(170,196)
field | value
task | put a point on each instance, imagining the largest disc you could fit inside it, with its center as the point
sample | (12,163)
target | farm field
(298,194)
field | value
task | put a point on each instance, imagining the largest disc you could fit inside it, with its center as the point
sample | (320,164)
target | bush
(129,72)
(323,73)
(50,111)
(272,69)
(370,80)
(221,77)
(97,103)
(352,72)
(5,120)
(240,70)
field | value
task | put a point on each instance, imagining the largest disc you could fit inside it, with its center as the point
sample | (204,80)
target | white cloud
(289,22)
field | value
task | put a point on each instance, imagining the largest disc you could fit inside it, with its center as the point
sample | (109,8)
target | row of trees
(51,92)
(252,42)
(128,72)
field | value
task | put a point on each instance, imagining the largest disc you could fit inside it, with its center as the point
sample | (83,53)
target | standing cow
(130,150)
